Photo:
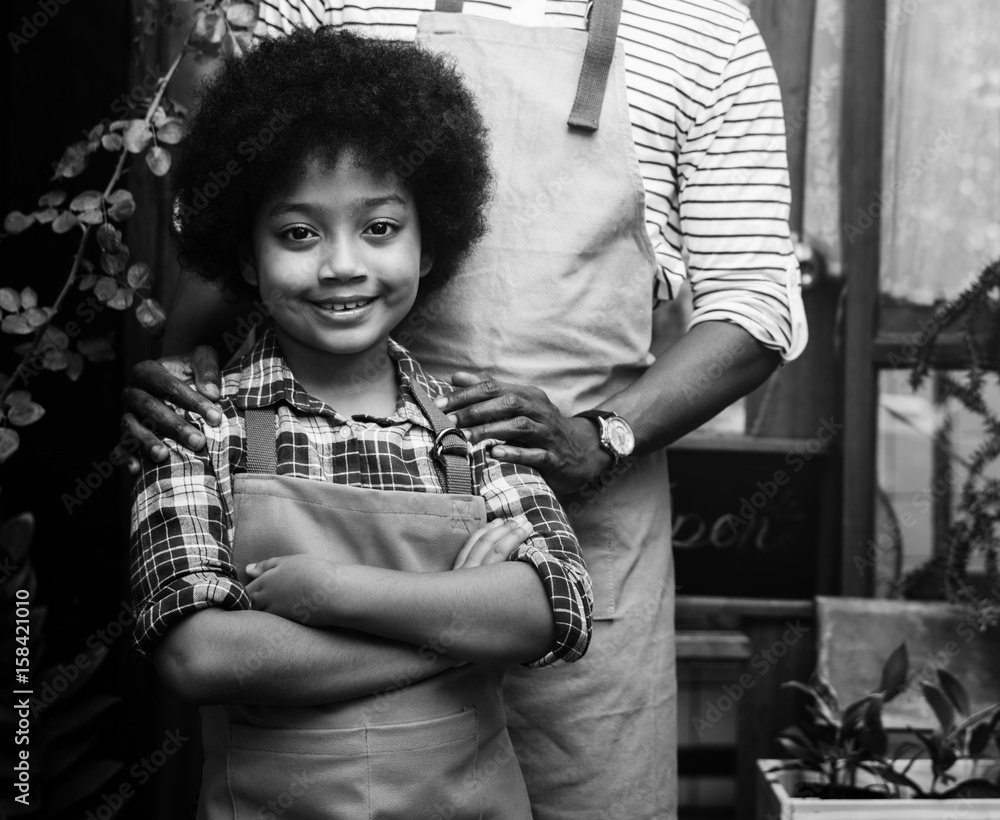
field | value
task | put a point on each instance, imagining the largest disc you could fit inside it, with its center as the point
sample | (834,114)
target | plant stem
(22,367)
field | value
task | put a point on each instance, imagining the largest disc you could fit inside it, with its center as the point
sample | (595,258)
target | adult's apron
(559,295)
(437,748)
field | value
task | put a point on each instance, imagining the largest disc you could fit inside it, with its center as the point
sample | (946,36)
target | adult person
(684,178)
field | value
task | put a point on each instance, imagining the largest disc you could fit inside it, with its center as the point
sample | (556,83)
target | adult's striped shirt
(708,127)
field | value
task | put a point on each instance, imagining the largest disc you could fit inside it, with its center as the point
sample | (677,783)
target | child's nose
(341,262)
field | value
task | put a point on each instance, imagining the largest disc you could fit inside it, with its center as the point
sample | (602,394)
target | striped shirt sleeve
(734,201)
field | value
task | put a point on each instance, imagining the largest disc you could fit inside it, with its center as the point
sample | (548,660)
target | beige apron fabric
(559,295)
(434,749)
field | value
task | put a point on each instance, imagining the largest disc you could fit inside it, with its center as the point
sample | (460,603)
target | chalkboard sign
(745,521)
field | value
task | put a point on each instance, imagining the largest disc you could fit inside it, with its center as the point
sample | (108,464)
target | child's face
(338,257)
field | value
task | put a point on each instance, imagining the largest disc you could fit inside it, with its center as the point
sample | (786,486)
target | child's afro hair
(398,108)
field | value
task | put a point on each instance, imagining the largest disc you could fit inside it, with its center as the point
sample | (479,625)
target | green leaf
(95,132)
(106,288)
(29,298)
(15,222)
(66,221)
(74,365)
(170,134)
(87,281)
(873,736)
(55,360)
(109,238)
(36,317)
(941,705)
(953,688)
(46,216)
(114,263)
(87,201)
(894,672)
(16,535)
(137,136)
(122,299)
(10,300)
(979,738)
(16,324)
(16,397)
(97,348)
(151,316)
(140,276)
(122,210)
(91,217)
(24,414)
(52,199)
(158,160)
(112,142)
(73,161)
(10,440)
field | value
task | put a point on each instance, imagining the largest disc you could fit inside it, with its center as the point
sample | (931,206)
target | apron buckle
(439,443)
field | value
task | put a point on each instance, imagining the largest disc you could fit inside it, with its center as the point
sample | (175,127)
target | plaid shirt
(182,509)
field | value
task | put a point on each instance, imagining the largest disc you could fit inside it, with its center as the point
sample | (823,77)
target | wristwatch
(617,438)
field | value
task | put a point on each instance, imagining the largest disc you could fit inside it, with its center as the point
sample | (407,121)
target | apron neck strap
(262,440)
(602,34)
(450,451)
(451,447)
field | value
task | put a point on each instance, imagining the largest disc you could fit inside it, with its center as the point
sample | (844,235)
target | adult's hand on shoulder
(191,381)
(564,449)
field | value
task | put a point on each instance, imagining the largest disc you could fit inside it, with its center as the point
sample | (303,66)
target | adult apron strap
(451,448)
(602,33)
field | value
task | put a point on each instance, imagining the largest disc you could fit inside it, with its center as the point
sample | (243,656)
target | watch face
(620,436)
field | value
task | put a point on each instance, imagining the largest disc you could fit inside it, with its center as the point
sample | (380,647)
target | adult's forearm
(216,656)
(497,614)
(706,370)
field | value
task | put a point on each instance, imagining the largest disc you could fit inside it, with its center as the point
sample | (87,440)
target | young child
(338,578)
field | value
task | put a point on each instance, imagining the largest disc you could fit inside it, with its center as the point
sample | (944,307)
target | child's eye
(297,233)
(381,227)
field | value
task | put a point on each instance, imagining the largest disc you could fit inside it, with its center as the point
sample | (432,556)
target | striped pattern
(709,133)
(182,509)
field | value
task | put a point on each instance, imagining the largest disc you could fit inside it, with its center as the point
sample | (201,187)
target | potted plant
(971,322)
(842,761)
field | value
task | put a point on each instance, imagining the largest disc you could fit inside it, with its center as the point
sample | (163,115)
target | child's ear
(426,259)
(248,269)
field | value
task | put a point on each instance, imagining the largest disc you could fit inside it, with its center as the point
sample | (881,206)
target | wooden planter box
(774,800)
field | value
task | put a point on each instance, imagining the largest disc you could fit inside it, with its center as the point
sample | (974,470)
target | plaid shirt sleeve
(513,489)
(181,529)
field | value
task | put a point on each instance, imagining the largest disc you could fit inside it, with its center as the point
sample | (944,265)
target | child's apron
(437,748)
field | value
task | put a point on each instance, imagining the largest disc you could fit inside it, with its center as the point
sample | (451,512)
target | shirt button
(345,432)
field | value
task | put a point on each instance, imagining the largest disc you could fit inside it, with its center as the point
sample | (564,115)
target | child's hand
(296,587)
(494,543)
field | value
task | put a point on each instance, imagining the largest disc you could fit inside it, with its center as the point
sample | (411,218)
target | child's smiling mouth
(347,305)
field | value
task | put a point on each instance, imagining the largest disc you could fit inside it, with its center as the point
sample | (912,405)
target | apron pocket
(317,774)
(425,770)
